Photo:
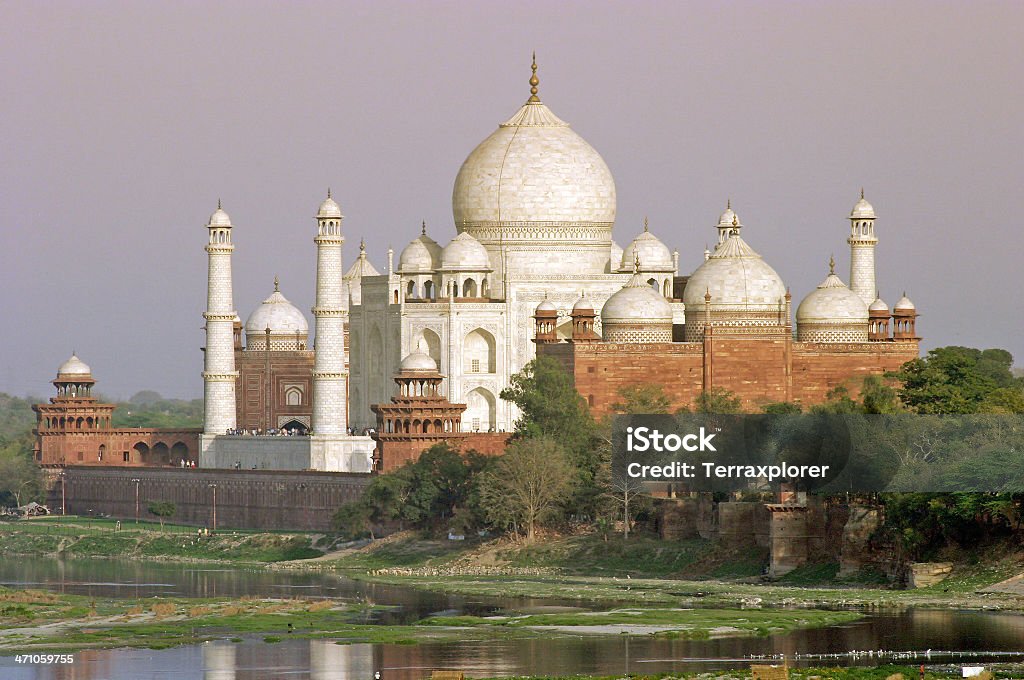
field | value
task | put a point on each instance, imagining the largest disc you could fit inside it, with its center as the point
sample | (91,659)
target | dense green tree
(527,484)
(717,400)
(21,480)
(782,408)
(957,380)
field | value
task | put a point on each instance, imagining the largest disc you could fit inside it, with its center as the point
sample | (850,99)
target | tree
(625,491)
(527,483)
(352,520)
(782,408)
(956,380)
(552,408)
(21,479)
(717,400)
(647,398)
(163,510)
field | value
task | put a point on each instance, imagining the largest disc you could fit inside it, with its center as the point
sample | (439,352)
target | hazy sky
(124,122)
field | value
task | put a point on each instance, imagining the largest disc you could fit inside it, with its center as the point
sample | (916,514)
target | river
(976,636)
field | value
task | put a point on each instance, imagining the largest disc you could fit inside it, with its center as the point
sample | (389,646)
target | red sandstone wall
(82,447)
(818,367)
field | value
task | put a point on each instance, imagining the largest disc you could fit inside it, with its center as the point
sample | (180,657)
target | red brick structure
(75,429)
(759,370)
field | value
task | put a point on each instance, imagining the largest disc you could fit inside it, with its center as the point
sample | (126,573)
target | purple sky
(124,122)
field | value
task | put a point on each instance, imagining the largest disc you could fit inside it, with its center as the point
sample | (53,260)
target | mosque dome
(418,360)
(74,366)
(636,313)
(421,256)
(465,253)
(276,313)
(329,208)
(534,169)
(651,252)
(832,301)
(862,210)
(735,276)
(832,313)
(878,306)
(219,218)
(361,267)
(904,305)
(729,218)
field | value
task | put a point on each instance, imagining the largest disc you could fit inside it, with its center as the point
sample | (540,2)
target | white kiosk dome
(421,256)
(652,254)
(465,253)
(74,366)
(636,313)
(329,209)
(418,360)
(832,313)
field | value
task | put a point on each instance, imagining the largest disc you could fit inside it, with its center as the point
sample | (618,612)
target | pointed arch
(479,352)
(480,413)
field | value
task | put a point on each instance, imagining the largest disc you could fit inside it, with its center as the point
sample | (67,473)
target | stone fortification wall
(246,499)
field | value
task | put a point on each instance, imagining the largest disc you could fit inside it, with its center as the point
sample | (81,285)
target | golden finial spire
(645,223)
(362,246)
(218,204)
(534,82)
(735,220)
(423,228)
(636,262)
(328,192)
(277,285)
(862,193)
(831,265)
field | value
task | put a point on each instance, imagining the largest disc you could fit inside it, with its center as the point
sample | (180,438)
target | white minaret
(330,410)
(862,250)
(219,374)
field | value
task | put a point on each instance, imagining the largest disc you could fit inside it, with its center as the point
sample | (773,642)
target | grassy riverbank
(34,620)
(80,537)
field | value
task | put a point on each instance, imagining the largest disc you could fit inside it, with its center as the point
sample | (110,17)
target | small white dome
(421,256)
(546,306)
(862,210)
(281,316)
(361,267)
(329,208)
(583,305)
(832,302)
(465,253)
(418,360)
(219,218)
(904,304)
(736,277)
(729,218)
(878,306)
(653,254)
(74,366)
(636,302)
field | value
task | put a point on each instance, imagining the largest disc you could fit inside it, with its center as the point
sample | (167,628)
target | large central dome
(534,172)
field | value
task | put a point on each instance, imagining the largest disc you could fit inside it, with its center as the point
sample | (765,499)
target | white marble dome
(636,302)
(736,277)
(583,305)
(281,316)
(465,253)
(219,218)
(535,169)
(729,218)
(832,302)
(329,208)
(862,210)
(422,256)
(904,304)
(546,306)
(74,366)
(652,253)
(418,360)
(878,306)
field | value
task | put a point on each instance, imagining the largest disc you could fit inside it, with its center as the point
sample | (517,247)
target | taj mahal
(530,268)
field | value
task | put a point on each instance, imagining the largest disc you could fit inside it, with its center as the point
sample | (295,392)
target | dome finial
(218,204)
(328,192)
(423,228)
(277,285)
(362,246)
(862,192)
(831,265)
(645,223)
(534,81)
(735,221)
(728,203)
(636,263)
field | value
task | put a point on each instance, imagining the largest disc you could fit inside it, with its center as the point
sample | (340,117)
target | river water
(977,636)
